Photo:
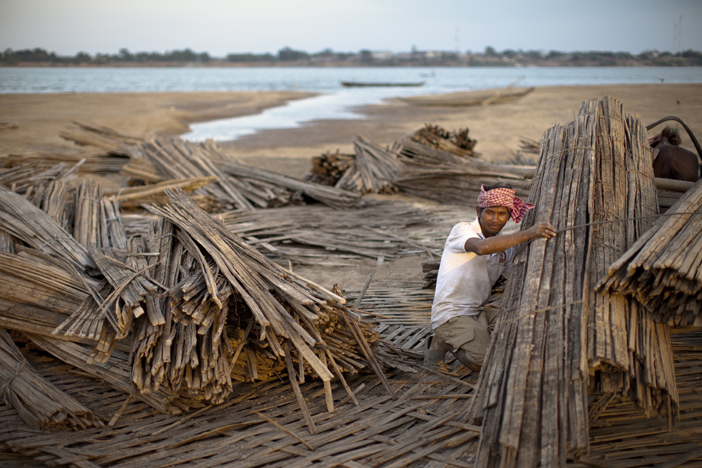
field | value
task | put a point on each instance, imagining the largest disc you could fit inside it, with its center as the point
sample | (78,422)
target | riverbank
(497,128)
(40,117)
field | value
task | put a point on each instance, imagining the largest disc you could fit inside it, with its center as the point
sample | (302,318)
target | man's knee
(474,350)
(468,334)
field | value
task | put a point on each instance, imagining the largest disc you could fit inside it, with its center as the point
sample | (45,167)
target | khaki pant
(469,333)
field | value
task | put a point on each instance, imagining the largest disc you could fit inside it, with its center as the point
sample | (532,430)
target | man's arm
(496,244)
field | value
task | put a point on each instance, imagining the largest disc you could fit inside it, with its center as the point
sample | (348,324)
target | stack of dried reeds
(461,184)
(22,178)
(236,184)
(317,233)
(37,293)
(175,158)
(26,222)
(89,162)
(39,403)
(663,270)
(328,168)
(373,169)
(112,141)
(557,338)
(452,178)
(55,283)
(430,163)
(137,196)
(331,196)
(198,306)
(456,143)
(274,317)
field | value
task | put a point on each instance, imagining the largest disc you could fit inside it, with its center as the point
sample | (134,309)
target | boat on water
(470,98)
(352,84)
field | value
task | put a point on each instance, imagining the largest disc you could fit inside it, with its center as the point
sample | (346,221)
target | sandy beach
(497,129)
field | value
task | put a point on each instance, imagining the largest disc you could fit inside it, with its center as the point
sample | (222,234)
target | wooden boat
(481,97)
(356,84)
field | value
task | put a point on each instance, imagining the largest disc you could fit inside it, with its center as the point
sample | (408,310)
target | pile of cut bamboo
(197,306)
(316,233)
(456,143)
(26,222)
(36,292)
(328,168)
(319,235)
(557,338)
(89,162)
(431,163)
(236,185)
(28,176)
(373,169)
(196,319)
(108,139)
(663,270)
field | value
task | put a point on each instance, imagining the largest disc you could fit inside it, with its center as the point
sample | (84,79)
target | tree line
(287,55)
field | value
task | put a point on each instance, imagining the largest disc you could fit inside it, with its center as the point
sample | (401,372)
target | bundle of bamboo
(30,224)
(556,336)
(88,161)
(460,185)
(331,196)
(112,141)
(236,185)
(175,158)
(417,154)
(39,403)
(447,175)
(328,168)
(373,169)
(134,197)
(52,199)
(36,293)
(25,177)
(455,143)
(663,270)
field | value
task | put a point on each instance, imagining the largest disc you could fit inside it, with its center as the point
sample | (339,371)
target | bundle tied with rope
(38,402)
(559,342)
(663,270)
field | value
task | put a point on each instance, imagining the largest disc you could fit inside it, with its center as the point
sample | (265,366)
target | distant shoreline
(226,64)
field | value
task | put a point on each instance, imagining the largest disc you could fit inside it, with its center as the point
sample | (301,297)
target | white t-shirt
(465,279)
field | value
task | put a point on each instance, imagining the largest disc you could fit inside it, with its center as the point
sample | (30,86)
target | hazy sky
(220,27)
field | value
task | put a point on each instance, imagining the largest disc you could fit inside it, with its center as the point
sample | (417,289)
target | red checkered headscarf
(504,197)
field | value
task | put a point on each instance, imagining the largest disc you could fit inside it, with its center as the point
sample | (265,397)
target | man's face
(493,219)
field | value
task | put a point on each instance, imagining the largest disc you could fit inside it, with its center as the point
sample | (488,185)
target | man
(474,257)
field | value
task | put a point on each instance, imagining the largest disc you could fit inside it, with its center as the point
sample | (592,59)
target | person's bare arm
(496,244)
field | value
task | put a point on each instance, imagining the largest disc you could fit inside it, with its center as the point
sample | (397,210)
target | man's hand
(541,230)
